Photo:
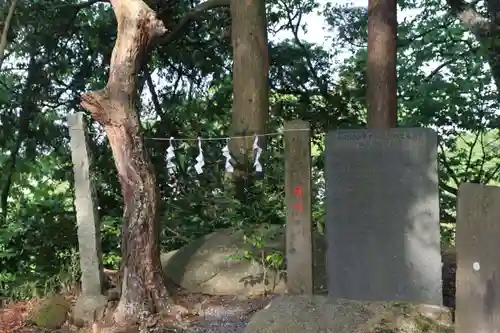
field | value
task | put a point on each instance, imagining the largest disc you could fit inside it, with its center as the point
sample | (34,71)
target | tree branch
(407,41)
(447,217)
(122,83)
(468,15)
(439,68)
(483,158)
(471,150)
(447,166)
(5,31)
(191,16)
(152,91)
(80,5)
(450,189)
(489,175)
(294,27)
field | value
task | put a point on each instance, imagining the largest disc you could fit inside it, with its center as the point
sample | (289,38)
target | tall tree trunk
(250,81)
(114,107)
(381,67)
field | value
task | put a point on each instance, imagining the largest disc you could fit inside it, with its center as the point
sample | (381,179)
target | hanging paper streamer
(170,156)
(257,151)
(200,161)
(227,154)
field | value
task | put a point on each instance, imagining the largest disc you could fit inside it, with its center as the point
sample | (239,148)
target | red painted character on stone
(297,192)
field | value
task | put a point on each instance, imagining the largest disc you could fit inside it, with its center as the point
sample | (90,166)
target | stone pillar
(299,248)
(89,239)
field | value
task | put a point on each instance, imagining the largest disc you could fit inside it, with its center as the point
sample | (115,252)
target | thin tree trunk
(250,80)
(381,67)
(143,287)
(5,31)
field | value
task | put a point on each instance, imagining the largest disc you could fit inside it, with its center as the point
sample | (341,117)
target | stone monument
(478,267)
(382,215)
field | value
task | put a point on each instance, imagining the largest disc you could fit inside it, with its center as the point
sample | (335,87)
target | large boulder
(298,314)
(207,265)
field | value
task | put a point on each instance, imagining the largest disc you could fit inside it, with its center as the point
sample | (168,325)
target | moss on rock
(51,312)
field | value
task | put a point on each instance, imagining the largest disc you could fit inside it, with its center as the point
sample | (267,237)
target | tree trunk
(381,66)
(250,80)
(5,31)
(143,287)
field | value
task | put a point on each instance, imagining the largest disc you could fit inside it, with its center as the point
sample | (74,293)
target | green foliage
(447,235)
(256,238)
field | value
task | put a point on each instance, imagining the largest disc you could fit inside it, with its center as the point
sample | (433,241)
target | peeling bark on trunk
(143,286)
(381,66)
(250,81)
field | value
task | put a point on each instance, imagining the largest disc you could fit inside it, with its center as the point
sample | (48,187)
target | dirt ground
(198,308)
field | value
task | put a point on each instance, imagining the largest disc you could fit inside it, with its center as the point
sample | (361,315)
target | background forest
(56,50)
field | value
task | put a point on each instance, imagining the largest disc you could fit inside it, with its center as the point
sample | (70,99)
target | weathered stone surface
(478,267)
(298,314)
(89,237)
(298,208)
(205,265)
(382,215)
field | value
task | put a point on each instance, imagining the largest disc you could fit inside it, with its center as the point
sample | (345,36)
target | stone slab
(478,266)
(382,215)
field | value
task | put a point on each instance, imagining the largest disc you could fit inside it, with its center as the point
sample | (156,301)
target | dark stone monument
(382,215)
